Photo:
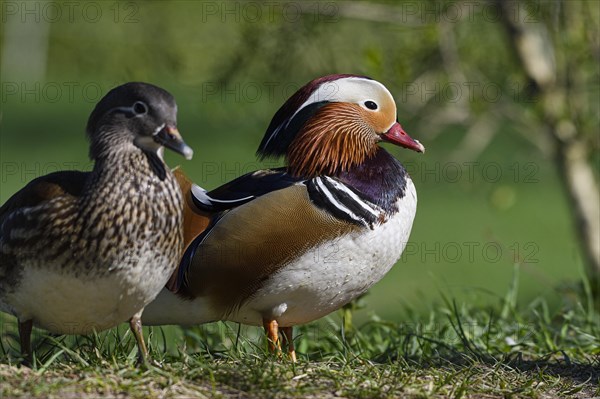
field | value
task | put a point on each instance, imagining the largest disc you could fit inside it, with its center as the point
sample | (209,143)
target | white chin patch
(147,143)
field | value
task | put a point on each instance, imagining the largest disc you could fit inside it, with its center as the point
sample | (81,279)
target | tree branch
(536,53)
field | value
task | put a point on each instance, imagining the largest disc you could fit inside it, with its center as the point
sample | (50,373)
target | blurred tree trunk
(562,98)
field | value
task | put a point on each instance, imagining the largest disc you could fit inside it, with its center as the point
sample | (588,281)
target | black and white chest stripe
(343,202)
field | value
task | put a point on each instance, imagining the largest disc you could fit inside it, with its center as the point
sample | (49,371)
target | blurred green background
(489,191)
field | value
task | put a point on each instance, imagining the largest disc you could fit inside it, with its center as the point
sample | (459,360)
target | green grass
(539,340)
(457,350)
(474,342)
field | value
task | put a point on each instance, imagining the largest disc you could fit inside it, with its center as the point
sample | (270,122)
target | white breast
(64,303)
(332,274)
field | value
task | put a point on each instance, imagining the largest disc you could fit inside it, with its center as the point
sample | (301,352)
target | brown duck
(85,251)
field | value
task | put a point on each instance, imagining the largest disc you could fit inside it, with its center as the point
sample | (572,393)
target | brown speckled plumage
(120,225)
(122,208)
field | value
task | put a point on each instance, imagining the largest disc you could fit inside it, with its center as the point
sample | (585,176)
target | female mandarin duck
(291,245)
(85,251)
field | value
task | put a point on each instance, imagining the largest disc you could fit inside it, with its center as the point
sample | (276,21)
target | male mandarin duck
(287,246)
(85,251)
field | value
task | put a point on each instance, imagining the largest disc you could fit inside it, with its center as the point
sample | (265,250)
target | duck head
(135,114)
(332,124)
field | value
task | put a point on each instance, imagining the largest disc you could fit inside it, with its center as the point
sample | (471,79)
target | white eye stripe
(123,109)
(127,110)
(356,90)
(131,110)
(351,90)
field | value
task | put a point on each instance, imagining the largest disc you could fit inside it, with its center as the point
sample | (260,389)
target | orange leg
(272,330)
(288,333)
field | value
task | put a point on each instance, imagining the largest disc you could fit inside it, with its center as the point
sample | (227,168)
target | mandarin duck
(85,251)
(287,246)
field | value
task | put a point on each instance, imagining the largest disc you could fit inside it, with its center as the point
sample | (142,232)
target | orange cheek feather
(337,137)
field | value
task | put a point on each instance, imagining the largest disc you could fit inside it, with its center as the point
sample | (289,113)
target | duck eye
(371,105)
(140,107)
